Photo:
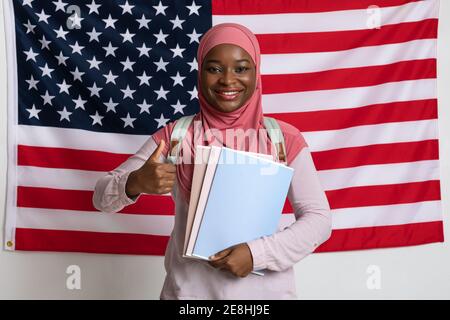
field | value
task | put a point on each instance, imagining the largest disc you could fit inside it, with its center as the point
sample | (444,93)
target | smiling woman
(230,98)
(228,77)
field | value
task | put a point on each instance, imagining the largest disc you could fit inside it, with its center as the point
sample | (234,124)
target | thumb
(157,153)
(221,254)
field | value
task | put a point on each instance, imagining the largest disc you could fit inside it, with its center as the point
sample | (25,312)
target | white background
(419,272)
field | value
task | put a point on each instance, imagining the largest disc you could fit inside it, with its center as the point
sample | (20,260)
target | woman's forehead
(227,51)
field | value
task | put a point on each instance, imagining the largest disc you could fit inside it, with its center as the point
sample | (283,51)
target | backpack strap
(276,136)
(179,132)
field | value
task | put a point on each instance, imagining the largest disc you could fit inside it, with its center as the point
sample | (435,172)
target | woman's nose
(227,77)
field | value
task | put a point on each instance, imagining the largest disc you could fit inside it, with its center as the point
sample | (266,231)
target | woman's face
(228,77)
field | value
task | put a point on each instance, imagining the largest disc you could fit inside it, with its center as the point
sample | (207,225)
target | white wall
(420,272)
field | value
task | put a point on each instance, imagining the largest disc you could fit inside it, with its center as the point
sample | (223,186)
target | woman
(230,98)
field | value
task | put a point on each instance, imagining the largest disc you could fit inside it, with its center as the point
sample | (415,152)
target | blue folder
(245,201)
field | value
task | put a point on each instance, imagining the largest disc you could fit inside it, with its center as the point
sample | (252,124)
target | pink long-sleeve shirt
(277,254)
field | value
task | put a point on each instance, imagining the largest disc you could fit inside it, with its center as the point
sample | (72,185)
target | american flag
(90,80)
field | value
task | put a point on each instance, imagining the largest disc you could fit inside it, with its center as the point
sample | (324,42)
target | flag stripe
(318,42)
(384,236)
(334,20)
(374,114)
(227,7)
(91,242)
(350,77)
(292,63)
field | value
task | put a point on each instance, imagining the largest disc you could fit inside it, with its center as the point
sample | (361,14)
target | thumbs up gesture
(153,177)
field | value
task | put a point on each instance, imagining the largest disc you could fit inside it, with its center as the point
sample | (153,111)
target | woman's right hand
(153,177)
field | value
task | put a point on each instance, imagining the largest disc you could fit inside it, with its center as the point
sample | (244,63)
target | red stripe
(92,242)
(229,7)
(345,40)
(384,237)
(384,194)
(340,240)
(350,77)
(373,114)
(80,200)
(376,154)
(69,158)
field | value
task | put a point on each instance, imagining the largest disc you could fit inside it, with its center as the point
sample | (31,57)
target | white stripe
(353,58)
(94,221)
(407,131)
(350,97)
(330,179)
(380,174)
(331,21)
(397,214)
(80,139)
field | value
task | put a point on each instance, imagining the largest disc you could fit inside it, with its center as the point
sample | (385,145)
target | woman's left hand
(237,260)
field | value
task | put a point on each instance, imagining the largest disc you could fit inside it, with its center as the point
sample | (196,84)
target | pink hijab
(248,116)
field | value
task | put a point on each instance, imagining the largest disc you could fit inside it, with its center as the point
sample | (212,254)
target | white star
(160,9)
(161,37)
(31,54)
(42,16)
(193,64)
(128,121)
(64,114)
(33,112)
(30,27)
(47,98)
(46,71)
(177,51)
(60,5)
(32,83)
(45,43)
(161,121)
(93,64)
(161,65)
(193,8)
(93,7)
(110,22)
(94,90)
(93,35)
(76,48)
(61,59)
(194,36)
(110,50)
(79,103)
(127,36)
(60,33)
(143,51)
(77,74)
(178,79)
(128,92)
(63,87)
(110,77)
(161,93)
(127,64)
(177,23)
(143,22)
(126,8)
(76,21)
(111,105)
(144,79)
(178,107)
(193,93)
(97,118)
(27,3)
(144,107)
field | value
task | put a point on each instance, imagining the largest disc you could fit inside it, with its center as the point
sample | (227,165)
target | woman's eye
(241,69)
(213,69)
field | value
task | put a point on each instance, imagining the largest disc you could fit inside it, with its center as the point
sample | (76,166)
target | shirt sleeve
(312,226)
(109,194)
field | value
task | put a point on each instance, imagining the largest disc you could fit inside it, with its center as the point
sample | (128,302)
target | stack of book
(236,197)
